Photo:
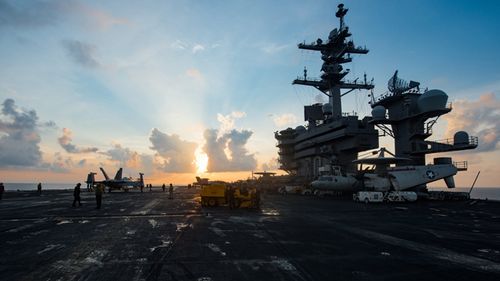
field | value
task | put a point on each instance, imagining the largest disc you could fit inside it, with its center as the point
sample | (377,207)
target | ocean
(490,193)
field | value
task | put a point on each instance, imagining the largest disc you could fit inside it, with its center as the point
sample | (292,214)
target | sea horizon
(490,193)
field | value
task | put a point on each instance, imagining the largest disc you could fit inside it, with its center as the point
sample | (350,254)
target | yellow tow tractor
(235,196)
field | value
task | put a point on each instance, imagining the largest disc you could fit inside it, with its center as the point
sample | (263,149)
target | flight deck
(146,236)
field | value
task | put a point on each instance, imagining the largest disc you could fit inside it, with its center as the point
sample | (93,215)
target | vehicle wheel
(366,200)
(212,202)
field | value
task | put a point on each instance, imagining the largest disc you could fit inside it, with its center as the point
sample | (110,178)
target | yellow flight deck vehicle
(213,194)
(235,196)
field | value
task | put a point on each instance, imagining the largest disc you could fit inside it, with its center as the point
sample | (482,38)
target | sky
(182,88)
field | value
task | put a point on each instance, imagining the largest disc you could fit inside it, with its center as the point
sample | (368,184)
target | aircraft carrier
(146,236)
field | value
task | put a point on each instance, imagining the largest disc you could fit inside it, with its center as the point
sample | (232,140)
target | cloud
(227,121)
(35,14)
(178,155)
(81,53)
(96,17)
(479,118)
(124,156)
(65,142)
(274,48)
(272,165)
(59,164)
(234,141)
(179,45)
(285,119)
(198,48)
(19,137)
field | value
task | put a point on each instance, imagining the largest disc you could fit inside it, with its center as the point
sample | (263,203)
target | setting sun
(201,161)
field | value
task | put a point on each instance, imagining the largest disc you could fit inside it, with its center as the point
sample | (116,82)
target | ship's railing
(461,165)
(347,114)
(312,79)
(472,141)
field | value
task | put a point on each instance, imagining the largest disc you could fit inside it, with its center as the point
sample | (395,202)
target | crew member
(170,191)
(76,195)
(230,196)
(39,188)
(2,189)
(163,187)
(99,189)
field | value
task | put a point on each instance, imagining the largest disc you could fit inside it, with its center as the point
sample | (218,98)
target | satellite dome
(378,112)
(300,129)
(327,109)
(461,137)
(432,100)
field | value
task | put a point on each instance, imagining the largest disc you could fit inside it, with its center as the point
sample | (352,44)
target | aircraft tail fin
(104,173)
(118,175)
(90,178)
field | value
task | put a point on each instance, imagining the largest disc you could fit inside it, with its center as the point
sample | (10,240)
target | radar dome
(300,129)
(378,112)
(327,109)
(461,137)
(432,100)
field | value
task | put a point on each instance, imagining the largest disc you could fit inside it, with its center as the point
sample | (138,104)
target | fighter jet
(118,182)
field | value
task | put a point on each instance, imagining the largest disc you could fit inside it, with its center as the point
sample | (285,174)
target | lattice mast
(335,52)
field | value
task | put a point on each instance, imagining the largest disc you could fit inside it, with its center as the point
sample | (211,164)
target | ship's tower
(335,52)
(331,137)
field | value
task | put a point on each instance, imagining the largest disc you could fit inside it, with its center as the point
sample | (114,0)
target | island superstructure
(331,136)
(332,140)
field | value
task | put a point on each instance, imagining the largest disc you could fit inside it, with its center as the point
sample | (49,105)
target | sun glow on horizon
(201,161)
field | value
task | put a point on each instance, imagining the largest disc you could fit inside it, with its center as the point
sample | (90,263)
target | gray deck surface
(146,236)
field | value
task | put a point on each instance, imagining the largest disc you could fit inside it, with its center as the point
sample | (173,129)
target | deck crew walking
(76,195)
(99,189)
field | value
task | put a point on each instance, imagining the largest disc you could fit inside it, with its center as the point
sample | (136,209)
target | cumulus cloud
(272,165)
(227,121)
(19,137)
(81,53)
(234,142)
(285,119)
(124,156)
(479,118)
(178,155)
(59,164)
(65,142)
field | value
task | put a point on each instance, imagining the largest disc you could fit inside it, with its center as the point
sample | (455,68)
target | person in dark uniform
(170,191)
(99,189)
(257,197)
(76,195)
(163,187)
(2,189)
(230,196)
(39,188)
(150,187)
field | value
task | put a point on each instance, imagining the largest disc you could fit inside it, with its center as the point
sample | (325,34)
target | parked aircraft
(386,178)
(118,182)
